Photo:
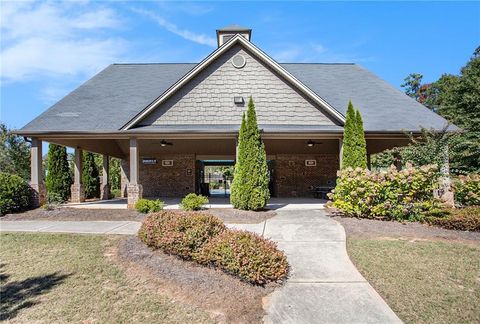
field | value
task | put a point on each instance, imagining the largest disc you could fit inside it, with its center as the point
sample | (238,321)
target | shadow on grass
(17,295)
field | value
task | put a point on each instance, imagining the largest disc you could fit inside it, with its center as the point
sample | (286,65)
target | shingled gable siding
(208,98)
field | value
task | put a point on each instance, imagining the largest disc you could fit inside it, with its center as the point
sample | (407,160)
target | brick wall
(294,179)
(163,181)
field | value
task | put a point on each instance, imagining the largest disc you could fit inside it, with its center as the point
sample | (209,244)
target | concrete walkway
(323,287)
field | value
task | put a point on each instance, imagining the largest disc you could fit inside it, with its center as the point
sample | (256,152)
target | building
(167,121)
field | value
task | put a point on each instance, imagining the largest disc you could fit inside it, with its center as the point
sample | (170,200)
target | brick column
(77,189)
(134,189)
(36,181)
(105,187)
(340,153)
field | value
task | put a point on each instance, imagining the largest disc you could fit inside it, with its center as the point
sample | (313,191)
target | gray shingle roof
(234,27)
(114,96)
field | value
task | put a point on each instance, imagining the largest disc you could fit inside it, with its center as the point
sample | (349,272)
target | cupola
(227,32)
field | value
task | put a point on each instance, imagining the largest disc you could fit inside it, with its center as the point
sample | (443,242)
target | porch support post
(446,192)
(36,181)
(105,189)
(340,152)
(369,161)
(77,189)
(123,178)
(134,189)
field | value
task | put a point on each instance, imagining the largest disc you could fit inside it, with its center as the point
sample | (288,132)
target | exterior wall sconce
(238,100)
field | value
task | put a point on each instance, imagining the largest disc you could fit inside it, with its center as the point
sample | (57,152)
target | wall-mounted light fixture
(238,100)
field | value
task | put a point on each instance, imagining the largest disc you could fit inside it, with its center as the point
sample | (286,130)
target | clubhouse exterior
(167,121)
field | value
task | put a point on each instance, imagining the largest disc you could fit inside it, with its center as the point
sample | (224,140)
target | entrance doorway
(214,177)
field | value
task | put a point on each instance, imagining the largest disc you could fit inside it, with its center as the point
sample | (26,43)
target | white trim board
(214,55)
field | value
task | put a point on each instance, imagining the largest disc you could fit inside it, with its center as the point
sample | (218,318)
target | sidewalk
(323,286)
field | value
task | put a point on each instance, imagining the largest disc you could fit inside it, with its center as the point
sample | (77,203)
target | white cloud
(56,39)
(184,33)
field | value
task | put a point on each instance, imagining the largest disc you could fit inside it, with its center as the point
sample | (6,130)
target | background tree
(14,153)
(90,176)
(457,99)
(58,179)
(251,176)
(114,176)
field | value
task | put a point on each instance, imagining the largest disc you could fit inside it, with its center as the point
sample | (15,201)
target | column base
(134,193)
(39,194)
(77,193)
(105,192)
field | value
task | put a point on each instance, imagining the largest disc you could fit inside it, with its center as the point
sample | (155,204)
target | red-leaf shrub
(179,233)
(466,219)
(246,255)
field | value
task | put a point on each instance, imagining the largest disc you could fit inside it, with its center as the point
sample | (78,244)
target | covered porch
(169,165)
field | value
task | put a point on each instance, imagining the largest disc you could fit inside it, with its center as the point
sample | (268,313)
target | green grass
(68,278)
(423,282)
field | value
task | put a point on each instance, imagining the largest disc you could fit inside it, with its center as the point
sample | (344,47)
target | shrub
(392,195)
(58,179)
(249,189)
(53,201)
(467,190)
(246,255)
(115,193)
(465,219)
(146,206)
(15,194)
(193,202)
(179,233)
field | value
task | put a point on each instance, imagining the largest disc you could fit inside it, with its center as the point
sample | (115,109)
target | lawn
(70,278)
(423,281)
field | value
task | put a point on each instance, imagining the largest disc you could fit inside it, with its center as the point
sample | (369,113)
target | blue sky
(50,48)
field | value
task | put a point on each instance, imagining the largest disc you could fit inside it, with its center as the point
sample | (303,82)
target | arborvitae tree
(58,179)
(90,179)
(251,175)
(361,143)
(236,192)
(349,155)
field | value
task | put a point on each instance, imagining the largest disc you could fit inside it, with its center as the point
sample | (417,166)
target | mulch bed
(76,214)
(361,228)
(225,297)
(83,214)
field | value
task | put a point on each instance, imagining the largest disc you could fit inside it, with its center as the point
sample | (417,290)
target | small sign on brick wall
(167,163)
(149,161)
(311,163)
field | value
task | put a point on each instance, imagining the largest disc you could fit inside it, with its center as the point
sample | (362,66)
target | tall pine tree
(58,179)
(251,171)
(90,176)
(361,142)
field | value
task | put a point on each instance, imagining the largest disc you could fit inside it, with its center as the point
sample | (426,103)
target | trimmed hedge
(467,190)
(179,233)
(15,194)
(246,255)
(393,195)
(146,206)
(205,239)
(193,202)
(465,219)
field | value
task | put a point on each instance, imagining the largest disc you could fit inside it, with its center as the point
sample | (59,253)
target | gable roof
(117,94)
(237,39)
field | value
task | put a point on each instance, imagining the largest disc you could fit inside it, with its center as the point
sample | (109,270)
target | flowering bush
(246,255)
(467,190)
(396,195)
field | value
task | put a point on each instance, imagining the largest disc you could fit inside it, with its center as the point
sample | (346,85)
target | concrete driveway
(323,287)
